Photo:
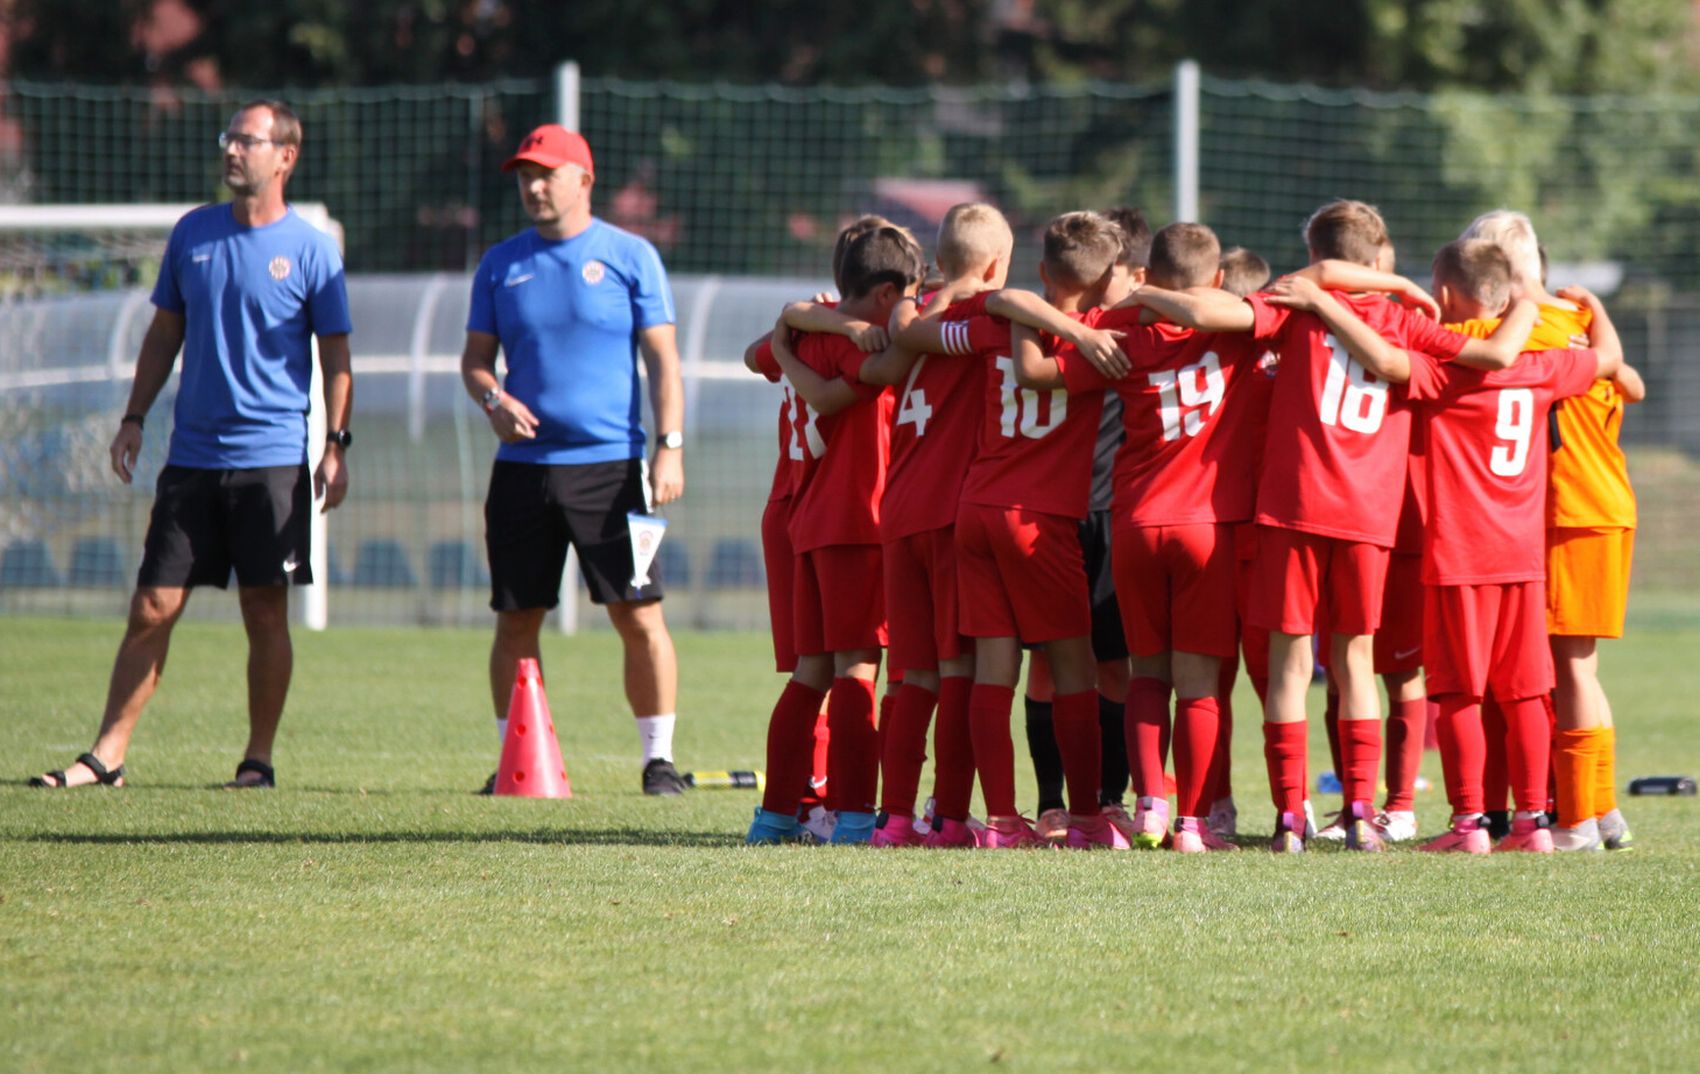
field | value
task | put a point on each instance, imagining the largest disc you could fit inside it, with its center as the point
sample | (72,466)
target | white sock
(656,734)
(502,729)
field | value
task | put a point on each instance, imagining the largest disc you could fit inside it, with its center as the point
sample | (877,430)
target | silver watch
(674,440)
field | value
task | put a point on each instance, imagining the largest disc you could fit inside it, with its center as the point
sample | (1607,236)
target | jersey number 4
(1022,406)
(913,410)
(1352,397)
(1188,396)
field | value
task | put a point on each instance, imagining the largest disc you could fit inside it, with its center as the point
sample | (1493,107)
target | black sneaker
(660,777)
(489,786)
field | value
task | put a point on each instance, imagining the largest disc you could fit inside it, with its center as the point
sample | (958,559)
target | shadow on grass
(646,837)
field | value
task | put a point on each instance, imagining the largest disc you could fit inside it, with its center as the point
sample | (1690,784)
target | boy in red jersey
(1021,574)
(1181,487)
(834,531)
(1484,546)
(1328,506)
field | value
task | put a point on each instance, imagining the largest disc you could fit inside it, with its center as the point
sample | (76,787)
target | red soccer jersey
(1188,456)
(841,476)
(1035,446)
(790,452)
(937,424)
(1486,470)
(1335,453)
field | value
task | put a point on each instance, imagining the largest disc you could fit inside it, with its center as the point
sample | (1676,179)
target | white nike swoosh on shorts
(1403,653)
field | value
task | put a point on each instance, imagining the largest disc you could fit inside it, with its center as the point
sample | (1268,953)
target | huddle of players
(1266,475)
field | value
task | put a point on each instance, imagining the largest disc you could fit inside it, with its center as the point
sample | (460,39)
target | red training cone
(531,764)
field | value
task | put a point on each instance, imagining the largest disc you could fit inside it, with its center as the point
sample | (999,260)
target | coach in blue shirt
(243,288)
(572,303)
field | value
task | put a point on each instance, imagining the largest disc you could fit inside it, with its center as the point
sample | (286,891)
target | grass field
(371,914)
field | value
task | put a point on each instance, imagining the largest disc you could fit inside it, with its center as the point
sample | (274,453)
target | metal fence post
(1186,140)
(566,94)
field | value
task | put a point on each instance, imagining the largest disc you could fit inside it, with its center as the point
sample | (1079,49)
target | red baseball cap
(552,145)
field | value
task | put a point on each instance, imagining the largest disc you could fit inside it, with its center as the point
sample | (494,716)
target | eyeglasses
(246,141)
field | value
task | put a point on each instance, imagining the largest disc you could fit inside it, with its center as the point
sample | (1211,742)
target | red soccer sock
(953,751)
(1528,751)
(1074,717)
(1406,726)
(790,746)
(1147,734)
(1431,732)
(1221,765)
(1284,747)
(1463,751)
(1331,724)
(1360,757)
(1197,738)
(903,749)
(994,751)
(1496,784)
(852,759)
(823,743)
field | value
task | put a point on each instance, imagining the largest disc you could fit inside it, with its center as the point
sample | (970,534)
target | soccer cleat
(1396,825)
(1529,835)
(950,834)
(1361,832)
(1310,821)
(1052,826)
(1150,823)
(852,829)
(1468,835)
(770,828)
(660,777)
(1498,823)
(1095,833)
(1332,832)
(1584,836)
(1615,833)
(489,785)
(1224,819)
(1193,836)
(1010,833)
(817,826)
(1287,839)
(898,832)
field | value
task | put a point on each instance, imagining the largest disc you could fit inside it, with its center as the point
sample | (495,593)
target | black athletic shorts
(534,511)
(206,522)
(1108,640)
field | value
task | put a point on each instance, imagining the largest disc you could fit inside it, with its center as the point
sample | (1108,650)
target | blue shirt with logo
(568,313)
(251,298)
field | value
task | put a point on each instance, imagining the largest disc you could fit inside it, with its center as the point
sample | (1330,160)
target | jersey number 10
(1021,406)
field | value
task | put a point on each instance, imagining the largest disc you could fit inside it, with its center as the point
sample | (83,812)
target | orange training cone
(531,757)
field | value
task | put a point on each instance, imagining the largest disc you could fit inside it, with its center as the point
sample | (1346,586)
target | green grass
(371,914)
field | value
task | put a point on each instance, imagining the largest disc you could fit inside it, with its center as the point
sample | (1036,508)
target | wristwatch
(340,437)
(490,398)
(674,440)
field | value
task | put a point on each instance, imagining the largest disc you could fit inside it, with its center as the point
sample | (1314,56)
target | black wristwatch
(340,437)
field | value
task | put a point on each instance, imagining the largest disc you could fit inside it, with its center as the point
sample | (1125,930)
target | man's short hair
(1346,231)
(1185,255)
(1514,233)
(1136,236)
(1080,248)
(972,236)
(286,125)
(854,230)
(1476,268)
(1243,271)
(884,255)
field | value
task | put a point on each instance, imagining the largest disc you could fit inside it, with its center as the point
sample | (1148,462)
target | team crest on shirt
(279,268)
(593,272)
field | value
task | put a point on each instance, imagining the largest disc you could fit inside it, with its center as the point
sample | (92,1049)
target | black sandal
(268,778)
(102,776)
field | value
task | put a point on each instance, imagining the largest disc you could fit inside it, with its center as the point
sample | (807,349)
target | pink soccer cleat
(1095,833)
(1193,836)
(1010,833)
(1361,832)
(1288,837)
(950,834)
(1529,835)
(897,832)
(1150,823)
(1467,836)
(1053,826)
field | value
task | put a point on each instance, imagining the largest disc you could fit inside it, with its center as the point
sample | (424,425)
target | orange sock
(1574,764)
(1605,771)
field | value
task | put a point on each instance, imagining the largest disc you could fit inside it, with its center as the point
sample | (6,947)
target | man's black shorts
(206,522)
(1108,640)
(534,511)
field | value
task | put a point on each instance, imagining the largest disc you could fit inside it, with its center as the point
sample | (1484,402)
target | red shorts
(839,601)
(1021,574)
(1298,575)
(1254,640)
(1399,639)
(1481,636)
(920,599)
(776,553)
(1176,588)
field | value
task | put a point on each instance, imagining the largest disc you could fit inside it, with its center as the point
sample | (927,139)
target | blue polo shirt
(252,298)
(568,313)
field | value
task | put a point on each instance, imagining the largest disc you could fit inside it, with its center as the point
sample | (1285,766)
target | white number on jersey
(811,430)
(1352,397)
(913,410)
(1515,425)
(1188,396)
(1021,406)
